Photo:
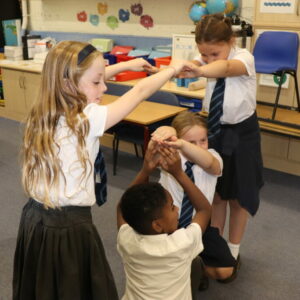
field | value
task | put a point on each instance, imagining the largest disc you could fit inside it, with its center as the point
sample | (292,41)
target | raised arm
(198,155)
(138,64)
(171,163)
(151,161)
(142,90)
(217,69)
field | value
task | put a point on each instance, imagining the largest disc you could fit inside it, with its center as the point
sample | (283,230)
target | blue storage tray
(190,103)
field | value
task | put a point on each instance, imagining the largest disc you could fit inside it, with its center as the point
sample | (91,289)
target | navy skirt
(216,252)
(59,255)
(240,149)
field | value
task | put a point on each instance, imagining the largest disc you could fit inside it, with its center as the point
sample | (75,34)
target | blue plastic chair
(133,133)
(276,52)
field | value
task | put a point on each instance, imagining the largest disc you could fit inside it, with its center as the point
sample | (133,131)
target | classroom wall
(168,16)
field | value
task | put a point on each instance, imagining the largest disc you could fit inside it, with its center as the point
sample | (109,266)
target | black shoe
(204,284)
(233,276)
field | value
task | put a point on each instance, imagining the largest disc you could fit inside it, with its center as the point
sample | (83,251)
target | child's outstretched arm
(171,163)
(166,135)
(163,133)
(197,155)
(217,69)
(142,90)
(138,64)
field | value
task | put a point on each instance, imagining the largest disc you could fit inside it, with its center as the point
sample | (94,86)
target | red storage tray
(129,75)
(162,61)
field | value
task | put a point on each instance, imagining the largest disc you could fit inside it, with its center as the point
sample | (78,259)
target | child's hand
(182,67)
(152,157)
(190,71)
(163,133)
(173,142)
(138,64)
(170,161)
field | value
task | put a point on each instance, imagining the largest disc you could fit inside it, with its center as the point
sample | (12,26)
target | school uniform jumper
(59,253)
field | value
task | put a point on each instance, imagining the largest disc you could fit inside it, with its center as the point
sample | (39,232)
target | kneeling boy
(157,256)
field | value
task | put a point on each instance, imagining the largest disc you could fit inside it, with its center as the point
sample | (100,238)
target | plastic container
(191,103)
(109,59)
(129,75)
(162,62)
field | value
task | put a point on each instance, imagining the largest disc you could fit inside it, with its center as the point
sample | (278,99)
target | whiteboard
(184,47)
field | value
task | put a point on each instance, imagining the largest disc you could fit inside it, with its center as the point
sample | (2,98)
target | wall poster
(278,6)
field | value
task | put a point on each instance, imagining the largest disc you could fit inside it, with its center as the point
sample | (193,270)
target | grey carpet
(270,252)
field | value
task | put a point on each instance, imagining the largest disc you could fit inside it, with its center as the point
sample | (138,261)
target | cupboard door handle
(20,82)
(23,82)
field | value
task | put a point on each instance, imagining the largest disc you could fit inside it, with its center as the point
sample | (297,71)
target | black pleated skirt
(60,256)
(240,149)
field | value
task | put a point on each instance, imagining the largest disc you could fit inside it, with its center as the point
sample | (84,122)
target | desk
(171,87)
(147,113)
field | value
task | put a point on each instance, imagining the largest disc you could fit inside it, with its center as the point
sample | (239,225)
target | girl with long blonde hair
(59,253)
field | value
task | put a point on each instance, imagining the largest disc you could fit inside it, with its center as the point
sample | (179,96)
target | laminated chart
(278,6)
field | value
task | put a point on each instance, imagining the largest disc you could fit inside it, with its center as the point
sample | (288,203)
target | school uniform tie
(100,177)
(216,109)
(186,207)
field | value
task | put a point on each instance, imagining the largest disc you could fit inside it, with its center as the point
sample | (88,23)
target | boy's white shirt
(204,181)
(240,91)
(76,192)
(159,266)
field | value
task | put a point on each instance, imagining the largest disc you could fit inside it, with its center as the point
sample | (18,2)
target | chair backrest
(276,51)
(159,96)
(117,89)
(164,97)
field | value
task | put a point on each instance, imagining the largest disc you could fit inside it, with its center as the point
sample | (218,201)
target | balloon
(222,6)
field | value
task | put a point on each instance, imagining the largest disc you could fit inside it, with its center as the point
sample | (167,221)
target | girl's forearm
(201,157)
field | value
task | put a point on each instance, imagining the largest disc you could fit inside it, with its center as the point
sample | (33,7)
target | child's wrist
(173,68)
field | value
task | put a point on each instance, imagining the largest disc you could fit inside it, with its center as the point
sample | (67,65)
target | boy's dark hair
(141,204)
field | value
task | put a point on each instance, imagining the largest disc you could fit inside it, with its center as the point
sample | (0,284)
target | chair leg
(136,150)
(277,96)
(143,151)
(115,154)
(297,89)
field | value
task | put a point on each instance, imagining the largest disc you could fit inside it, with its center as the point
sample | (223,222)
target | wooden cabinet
(279,22)
(281,153)
(20,91)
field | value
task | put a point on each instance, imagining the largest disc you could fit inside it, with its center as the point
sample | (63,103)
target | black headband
(85,52)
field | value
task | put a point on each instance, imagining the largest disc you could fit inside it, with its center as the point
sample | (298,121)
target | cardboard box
(103,45)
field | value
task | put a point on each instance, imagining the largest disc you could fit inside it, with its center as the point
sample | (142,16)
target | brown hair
(214,28)
(58,96)
(185,120)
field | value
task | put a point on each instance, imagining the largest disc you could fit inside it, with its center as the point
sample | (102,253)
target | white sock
(234,249)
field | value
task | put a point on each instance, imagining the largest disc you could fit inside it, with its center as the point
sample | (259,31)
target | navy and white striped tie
(186,207)
(100,177)
(216,109)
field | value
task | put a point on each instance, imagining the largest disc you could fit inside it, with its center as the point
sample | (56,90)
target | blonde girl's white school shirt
(73,189)
(204,181)
(240,91)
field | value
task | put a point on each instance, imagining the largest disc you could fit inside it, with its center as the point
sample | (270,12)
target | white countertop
(22,65)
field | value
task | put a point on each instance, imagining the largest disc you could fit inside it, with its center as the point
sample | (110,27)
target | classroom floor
(269,252)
